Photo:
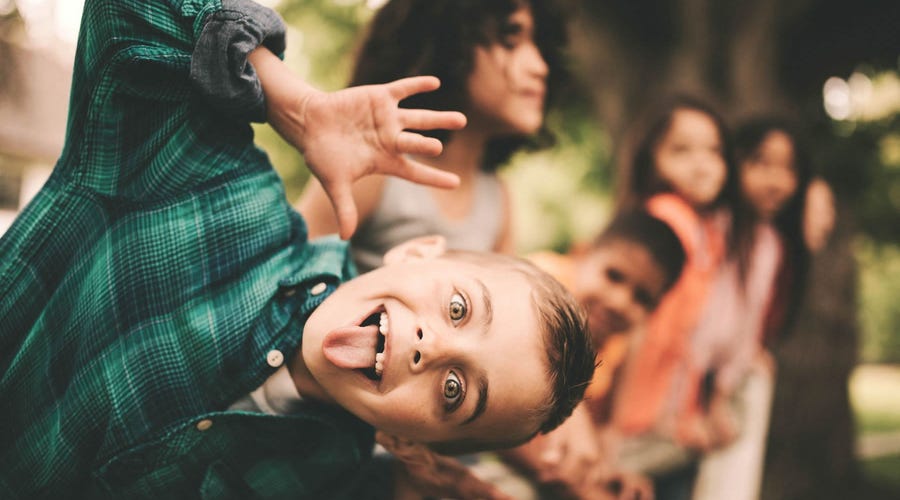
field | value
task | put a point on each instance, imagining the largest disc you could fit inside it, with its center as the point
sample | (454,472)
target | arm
(418,471)
(442,477)
(565,457)
(818,214)
(354,132)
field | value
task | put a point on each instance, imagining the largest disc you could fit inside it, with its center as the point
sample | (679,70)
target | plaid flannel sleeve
(219,67)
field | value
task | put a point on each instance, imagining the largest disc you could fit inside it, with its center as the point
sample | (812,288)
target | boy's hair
(567,342)
(438,37)
(638,226)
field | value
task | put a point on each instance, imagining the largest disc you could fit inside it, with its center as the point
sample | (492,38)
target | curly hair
(438,37)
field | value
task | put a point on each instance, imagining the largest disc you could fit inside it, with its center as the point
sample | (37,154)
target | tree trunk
(810,449)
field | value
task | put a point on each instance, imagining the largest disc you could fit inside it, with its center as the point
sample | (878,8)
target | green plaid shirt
(145,285)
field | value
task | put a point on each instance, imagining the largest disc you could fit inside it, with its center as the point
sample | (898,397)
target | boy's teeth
(379,357)
(379,368)
(383,324)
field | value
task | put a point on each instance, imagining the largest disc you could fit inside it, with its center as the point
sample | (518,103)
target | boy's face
(618,283)
(463,356)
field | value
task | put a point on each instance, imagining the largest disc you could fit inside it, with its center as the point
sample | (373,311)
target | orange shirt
(659,364)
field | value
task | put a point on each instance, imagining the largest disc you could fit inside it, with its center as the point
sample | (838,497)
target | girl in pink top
(774,176)
(683,174)
(774,173)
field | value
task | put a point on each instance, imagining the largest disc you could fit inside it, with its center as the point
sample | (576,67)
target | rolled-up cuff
(219,67)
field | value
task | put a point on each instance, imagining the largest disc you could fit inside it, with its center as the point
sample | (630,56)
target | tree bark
(810,449)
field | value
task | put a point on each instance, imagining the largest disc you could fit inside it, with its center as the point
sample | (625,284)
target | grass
(883,472)
(875,396)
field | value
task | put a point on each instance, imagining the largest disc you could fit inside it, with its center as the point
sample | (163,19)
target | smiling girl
(499,62)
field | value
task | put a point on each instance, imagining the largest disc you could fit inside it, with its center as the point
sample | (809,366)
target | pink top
(728,335)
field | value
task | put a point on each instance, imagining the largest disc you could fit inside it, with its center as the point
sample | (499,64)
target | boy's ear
(424,247)
(407,451)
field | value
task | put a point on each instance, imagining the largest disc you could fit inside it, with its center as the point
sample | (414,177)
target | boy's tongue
(351,347)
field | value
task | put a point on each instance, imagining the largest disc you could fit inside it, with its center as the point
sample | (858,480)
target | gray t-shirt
(407,210)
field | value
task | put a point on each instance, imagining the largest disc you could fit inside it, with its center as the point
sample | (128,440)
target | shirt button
(275,358)
(289,292)
(318,288)
(204,424)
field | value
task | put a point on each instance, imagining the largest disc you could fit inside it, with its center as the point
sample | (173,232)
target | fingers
(415,144)
(344,207)
(424,119)
(423,174)
(405,87)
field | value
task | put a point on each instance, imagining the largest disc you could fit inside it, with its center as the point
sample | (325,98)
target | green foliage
(321,39)
(862,161)
(325,31)
(561,195)
(879,289)
(884,472)
(875,395)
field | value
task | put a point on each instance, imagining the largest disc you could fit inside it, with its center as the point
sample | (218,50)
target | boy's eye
(453,391)
(644,299)
(614,275)
(458,308)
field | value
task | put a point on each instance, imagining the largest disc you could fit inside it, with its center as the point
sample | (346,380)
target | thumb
(341,197)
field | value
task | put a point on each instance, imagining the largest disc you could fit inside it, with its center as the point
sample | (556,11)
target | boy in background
(169,331)
(619,278)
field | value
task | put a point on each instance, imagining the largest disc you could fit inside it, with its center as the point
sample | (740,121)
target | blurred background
(835,430)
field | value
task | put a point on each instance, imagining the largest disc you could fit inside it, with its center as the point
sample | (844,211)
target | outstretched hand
(358,131)
(361,130)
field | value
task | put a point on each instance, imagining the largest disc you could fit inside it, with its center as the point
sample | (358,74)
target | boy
(619,280)
(167,329)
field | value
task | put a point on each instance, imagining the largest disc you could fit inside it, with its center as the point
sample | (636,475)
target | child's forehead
(497,281)
(633,251)
(478,263)
(622,245)
(494,274)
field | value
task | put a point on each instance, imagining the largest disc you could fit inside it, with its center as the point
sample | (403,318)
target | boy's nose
(429,346)
(618,298)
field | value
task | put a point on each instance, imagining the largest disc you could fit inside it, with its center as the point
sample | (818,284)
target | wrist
(287,96)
